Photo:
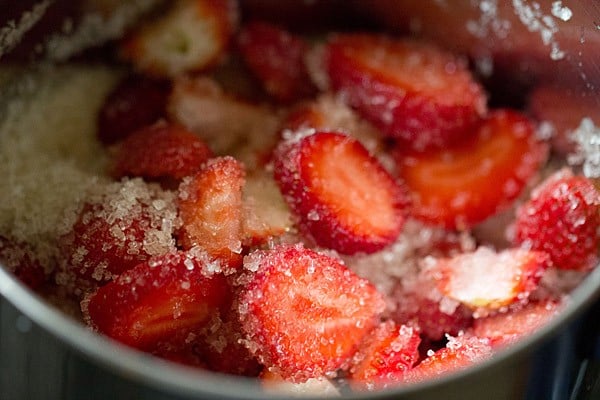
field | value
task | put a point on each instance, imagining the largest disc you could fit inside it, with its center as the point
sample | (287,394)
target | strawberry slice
(276,57)
(508,327)
(460,352)
(160,152)
(211,208)
(342,195)
(134,103)
(192,35)
(410,90)
(304,313)
(462,185)
(21,260)
(159,300)
(562,218)
(388,352)
(489,280)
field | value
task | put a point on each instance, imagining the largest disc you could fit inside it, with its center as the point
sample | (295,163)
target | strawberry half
(134,103)
(157,301)
(276,58)
(387,353)
(304,313)
(490,280)
(562,218)
(342,195)
(20,259)
(211,208)
(410,90)
(161,151)
(460,186)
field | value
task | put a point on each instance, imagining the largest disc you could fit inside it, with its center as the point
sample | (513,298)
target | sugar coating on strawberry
(387,353)
(411,91)
(191,35)
(276,57)
(273,383)
(562,218)
(345,200)
(211,209)
(21,260)
(120,225)
(135,102)
(452,187)
(489,280)
(161,300)
(305,313)
(160,151)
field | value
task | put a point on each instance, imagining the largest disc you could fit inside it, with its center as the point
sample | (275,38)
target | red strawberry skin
(562,218)
(411,91)
(464,184)
(342,195)
(305,313)
(276,57)
(20,259)
(156,301)
(160,151)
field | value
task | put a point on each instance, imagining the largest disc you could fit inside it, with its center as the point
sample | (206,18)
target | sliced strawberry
(462,185)
(460,352)
(490,280)
(159,300)
(507,327)
(160,151)
(210,206)
(122,225)
(276,57)
(342,195)
(388,352)
(134,103)
(562,218)
(192,35)
(272,382)
(410,90)
(20,259)
(304,313)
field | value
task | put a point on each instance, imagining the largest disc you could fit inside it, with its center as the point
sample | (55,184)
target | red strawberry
(387,353)
(192,35)
(210,206)
(460,352)
(20,259)
(159,300)
(134,103)
(276,57)
(490,280)
(121,226)
(410,90)
(507,327)
(160,151)
(462,185)
(305,313)
(342,195)
(562,218)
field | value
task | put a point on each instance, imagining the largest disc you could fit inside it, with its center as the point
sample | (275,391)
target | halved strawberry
(562,218)
(134,103)
(304,313)
(276,57)
(192,35)
(162,299)
(20,259)
(388,352)
(342,195)
(507,327)
(210,206)
(462,185)
(488,279)
(460,352)
(410,90)
(161,151)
